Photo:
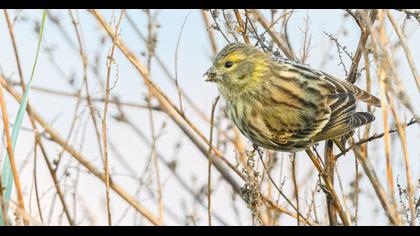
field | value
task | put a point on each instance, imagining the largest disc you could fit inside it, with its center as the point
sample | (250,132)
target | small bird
(283,105)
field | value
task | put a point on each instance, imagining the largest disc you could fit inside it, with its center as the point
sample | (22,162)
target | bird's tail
(366,97)
(361,118)
(357,119)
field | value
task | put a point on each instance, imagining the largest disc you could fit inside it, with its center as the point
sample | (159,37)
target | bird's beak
(210,74)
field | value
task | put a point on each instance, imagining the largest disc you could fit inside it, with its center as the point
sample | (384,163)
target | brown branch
(114,101)
(390,210)
(403,139)
(56,182)
(329,163)
(384,106)
(241,27)
(2,203)
(361,45)
(295,185)
(210,32)
(274,205)
(328,187)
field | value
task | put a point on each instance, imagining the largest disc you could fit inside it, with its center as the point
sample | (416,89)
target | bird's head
(236,68)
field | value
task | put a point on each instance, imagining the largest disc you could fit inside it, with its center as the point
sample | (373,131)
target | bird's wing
(295,110)
(343,117)
(342,107)
(341,97)
(343,86)
(336,85)
(326,108)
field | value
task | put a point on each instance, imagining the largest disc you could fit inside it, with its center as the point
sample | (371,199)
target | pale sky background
(194,57)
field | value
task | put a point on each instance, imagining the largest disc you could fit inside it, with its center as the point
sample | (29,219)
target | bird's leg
(255,146)
(341,142)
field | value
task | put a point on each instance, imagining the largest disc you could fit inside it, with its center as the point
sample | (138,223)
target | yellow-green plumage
(283,105)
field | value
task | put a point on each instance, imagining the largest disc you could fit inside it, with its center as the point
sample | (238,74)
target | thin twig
(54,178)
(153,155)
(279,190)
(407,51)
(293,156)
(84,58)
(374,137)
(340,184)
(38,200)
(176,61)
(209,166)
(105,115)
(217,27)
(228,22)
(277,37)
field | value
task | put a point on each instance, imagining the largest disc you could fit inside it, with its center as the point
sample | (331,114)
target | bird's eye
(228,64)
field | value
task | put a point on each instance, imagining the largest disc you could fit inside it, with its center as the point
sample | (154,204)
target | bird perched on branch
(283,105)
